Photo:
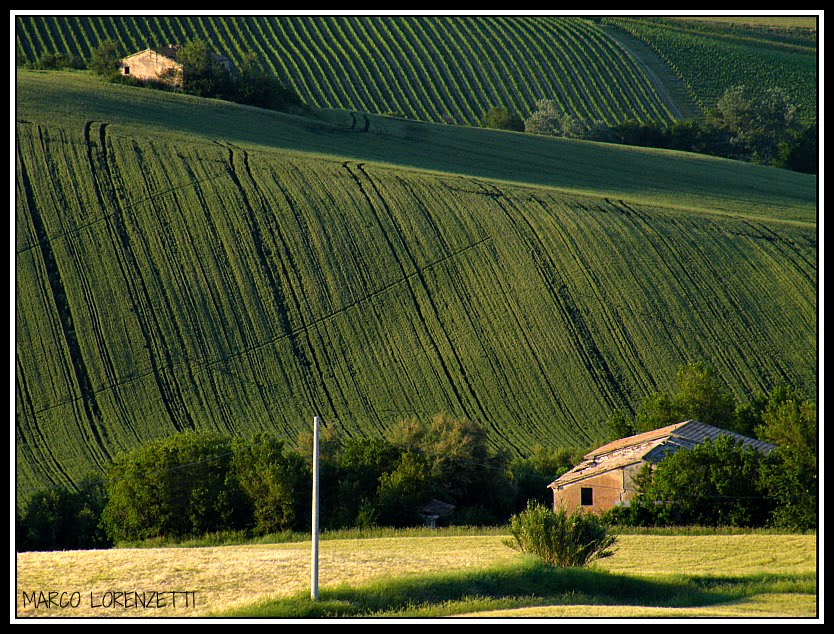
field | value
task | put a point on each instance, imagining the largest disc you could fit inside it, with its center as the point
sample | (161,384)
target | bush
(561,539)
(500,118)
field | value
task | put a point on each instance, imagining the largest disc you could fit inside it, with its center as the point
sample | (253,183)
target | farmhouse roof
(650,446)
(170,51)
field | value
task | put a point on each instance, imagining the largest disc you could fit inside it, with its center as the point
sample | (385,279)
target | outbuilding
(604,477)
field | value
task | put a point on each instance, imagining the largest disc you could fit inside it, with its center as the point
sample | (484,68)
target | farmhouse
(160,64)
(604,477)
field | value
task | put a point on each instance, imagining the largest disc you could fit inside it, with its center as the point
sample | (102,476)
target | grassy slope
(182,263)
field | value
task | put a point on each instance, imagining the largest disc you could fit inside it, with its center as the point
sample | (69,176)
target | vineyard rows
(711,59)
(166,286)
(432,68)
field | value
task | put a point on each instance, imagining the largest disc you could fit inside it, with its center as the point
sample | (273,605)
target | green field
(189,264)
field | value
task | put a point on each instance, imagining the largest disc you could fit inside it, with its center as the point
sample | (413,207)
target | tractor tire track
(472,393)
(267,260)
(683,273)
(584,343)
(159,353)
(614,324)
(467,310)
(567,414)
(80,373)
(447,378)
(35,444)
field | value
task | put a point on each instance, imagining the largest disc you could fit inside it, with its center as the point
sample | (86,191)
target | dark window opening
(127,70)
(587,496)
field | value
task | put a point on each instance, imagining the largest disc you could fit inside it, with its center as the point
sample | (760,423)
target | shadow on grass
(519,585)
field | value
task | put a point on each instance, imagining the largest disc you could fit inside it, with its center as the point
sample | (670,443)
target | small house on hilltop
(604,477)
(160,64)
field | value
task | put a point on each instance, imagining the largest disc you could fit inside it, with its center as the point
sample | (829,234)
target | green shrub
(559,538)
(501,118)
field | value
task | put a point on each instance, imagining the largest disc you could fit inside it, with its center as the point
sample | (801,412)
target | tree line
(192,484)
(758,128)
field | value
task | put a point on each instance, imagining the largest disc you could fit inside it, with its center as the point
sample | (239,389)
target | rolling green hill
(429,68)
(184,263)
(454,68)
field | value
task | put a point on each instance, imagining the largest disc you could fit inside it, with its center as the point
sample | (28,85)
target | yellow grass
(233,576)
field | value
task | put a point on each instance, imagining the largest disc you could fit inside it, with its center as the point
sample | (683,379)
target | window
(127,70)
(586,496)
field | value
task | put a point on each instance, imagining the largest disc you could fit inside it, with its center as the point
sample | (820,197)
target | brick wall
(602,491)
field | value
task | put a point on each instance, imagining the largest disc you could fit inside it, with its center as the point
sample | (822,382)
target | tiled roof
(651,446)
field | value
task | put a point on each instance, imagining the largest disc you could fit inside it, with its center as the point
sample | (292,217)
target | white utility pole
(314,566)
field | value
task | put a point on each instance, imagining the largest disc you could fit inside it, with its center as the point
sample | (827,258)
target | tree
(60,518)
(254,86)
(501,118)
(801,154)
(619,425)
(790,422)
(105,59)
(532,475)
(361,464)
(756,125)
(402,491)
(699,394)
(202,75)
(716,483)
(274,480)
(549,119)
(174,487)
(463,468)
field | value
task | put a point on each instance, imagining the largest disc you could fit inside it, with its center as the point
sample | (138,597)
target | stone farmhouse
(604,477)
(160,64)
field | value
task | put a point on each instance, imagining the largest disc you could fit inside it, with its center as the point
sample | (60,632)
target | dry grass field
(214,580)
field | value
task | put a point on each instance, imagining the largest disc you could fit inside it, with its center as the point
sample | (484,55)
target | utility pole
(314,564)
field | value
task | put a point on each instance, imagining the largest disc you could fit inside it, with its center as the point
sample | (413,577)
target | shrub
(559,538)
(500,118)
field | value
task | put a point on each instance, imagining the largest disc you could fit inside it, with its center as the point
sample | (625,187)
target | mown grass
(232,538)
(441,574)
(524,584)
